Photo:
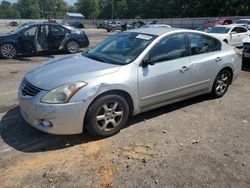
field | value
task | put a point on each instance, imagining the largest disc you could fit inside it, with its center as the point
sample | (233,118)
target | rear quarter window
(202,44)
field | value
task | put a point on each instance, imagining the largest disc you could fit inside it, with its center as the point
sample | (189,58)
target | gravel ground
(195,143)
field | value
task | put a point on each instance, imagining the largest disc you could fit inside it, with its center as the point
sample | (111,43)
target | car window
(31,32)
(236,29)
(122,48)
(169,48)
(201,44)
(58,30)
(242,30)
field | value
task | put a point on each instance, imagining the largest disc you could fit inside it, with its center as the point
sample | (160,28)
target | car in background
(246,50)
(40,37)
(14,24)
(244,22)
(137,24)
(156,26)
(102,24)
(202,28)
(215,22)
(231,34)
(127,74)
(114,25)
(77,25)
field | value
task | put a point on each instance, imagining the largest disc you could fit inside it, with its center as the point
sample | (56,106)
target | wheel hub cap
(109,116)
(8,51)
(222,83)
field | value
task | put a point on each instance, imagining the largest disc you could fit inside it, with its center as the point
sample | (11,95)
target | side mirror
(233,32)
(147,61)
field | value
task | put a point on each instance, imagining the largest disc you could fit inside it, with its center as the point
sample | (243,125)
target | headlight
(63,94)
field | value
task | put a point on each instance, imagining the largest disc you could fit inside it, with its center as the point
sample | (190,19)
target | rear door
(55,37)
(204,57)
(169,77)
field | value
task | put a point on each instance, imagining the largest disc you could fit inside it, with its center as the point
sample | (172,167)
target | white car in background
(156,26)
(231,34)
(243,22)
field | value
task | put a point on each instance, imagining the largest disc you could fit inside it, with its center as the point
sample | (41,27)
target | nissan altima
(128,73)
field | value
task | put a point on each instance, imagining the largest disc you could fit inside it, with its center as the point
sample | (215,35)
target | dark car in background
(14,24)
(246,49)
(77,25)
(40,37)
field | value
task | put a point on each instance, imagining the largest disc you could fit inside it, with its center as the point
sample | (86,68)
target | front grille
(28,89)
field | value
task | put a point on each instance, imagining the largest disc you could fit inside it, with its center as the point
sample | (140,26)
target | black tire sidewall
(90,122)
(214,92)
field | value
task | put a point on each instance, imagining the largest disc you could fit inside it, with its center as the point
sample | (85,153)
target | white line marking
(7,93)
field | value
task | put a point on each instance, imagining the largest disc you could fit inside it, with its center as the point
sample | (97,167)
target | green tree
(8,10)
(53,8)
(89,8)
(29,9)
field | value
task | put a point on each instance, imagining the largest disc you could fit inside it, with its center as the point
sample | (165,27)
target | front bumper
(65,118)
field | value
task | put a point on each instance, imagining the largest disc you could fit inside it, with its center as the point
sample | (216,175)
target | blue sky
(68,1)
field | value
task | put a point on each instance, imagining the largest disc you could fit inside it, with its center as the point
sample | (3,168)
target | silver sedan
(128,73)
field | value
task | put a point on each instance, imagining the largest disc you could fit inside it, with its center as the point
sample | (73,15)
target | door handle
(184,69)
(218,59)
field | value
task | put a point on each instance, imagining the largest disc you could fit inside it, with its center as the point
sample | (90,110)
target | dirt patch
(57,162)
(107,174)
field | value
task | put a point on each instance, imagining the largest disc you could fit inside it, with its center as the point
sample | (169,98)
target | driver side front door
(27,40)
(169,78)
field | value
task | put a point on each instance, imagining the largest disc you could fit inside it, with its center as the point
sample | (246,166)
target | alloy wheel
(8,51)
(109,116)
(73,47)
(222,83)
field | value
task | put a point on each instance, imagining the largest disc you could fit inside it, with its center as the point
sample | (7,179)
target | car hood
(68,69)
(6,35)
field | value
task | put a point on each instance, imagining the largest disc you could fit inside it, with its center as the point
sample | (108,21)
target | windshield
(220,30)
(120,49)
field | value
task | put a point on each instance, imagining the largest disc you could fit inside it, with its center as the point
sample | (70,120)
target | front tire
(8,51)
(107,116)
(72,47)
(221,83)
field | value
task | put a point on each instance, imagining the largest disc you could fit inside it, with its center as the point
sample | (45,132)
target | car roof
(44,23)
(158,31)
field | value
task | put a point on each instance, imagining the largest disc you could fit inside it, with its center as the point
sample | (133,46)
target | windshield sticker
(144,37)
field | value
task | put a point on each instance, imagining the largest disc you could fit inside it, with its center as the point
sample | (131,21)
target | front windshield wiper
(98,58)
(91,56)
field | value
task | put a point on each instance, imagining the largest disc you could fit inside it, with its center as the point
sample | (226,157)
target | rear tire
(8,51)
(107,116)
(221,83)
